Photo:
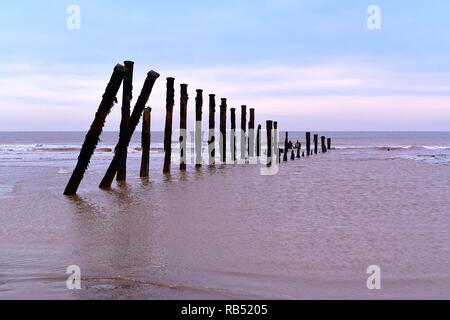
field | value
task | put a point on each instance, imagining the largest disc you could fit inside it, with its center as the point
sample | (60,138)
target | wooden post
(329,143)
(233,134)
(123,143)
(324,146)
(269,125)
(126,109)
(93,135)
(170,101)
(223,130)
(183,125)
(198,128)
(316,141)
(292,155)
(258,141)
(276,148)
(145,142)
(251,134)
(243,131)
(308,143)
(212,125)
(286,147)
(299,147)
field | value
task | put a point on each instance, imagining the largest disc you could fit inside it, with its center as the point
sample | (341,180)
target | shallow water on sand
(310,231)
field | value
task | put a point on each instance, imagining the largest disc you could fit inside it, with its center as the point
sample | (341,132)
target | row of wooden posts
(130,120)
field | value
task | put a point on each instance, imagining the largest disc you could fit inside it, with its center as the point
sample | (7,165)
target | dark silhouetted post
(126,109)
(292,155)
(145,142)
(316,141)
(212,128)
(243,131)
(324,146)
(183,125)
(329,143)
(233,134)
(198,128)
(93,135)
(223,130)
(258,141)
(251,134)
(136,115)
(286,147)
(269,125)
(170,101)
(299,147)
(308,143)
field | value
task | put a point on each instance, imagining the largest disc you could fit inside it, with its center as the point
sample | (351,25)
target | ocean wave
(392,148)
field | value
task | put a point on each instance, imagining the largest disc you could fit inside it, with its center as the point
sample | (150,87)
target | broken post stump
(127,96)
(223,131)
(324,146)
(183,125)
(198,128)
(292,155)
(299,147)
(316,141)
(170,101)
(212,125)
(93,135)
(286,147)
(308,143)
(123,143)
(329,143)
(145,143)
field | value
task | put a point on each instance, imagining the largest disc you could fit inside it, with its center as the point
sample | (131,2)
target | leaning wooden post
(269,125)
(127,95)
(276,148)
(145,142)
(93,135)
(223,130)
(286,147)
(243,131)
(316,141)
(183,125)
(251,134)
(212,125)
(258,141)
(170,101)
(198,128)
(324,146)
(123,143)
(233,134)
(308,143)
(329,143)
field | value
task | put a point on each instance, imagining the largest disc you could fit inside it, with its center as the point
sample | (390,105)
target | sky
(310,65)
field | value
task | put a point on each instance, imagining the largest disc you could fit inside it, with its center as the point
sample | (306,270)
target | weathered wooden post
(286,147)
(258,141)
(145,142)
(329,143)
(324,146)
(233,134)
(127,95)
(212,128)
(243,131)
(299,147)
(251,134)
(276,148)
(183,125)
(170,101)
(123,143)
(269,125)
(93,135)
(292,155)
(316,141)
(223,130)
(308,143)
(198,128)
